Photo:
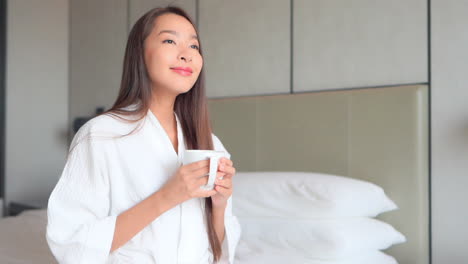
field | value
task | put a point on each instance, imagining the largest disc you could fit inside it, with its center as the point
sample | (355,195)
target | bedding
(319,238)
(286,217)
(306,195)
(22,239)
(248,254)
(23,242)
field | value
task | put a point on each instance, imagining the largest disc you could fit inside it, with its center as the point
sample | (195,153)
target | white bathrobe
(104,176)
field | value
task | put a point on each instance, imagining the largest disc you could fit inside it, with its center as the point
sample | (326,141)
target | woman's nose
(186,58)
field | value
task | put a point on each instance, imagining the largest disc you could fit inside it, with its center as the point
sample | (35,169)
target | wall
(36,97)
(449,67)
(98,32)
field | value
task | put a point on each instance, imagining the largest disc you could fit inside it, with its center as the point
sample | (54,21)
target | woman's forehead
(174,24)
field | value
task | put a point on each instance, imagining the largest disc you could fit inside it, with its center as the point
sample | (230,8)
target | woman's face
(171,55)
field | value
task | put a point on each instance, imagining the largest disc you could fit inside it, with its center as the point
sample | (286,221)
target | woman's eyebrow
(175,33)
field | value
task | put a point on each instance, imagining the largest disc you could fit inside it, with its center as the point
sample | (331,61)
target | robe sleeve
(232,228)
(79,227)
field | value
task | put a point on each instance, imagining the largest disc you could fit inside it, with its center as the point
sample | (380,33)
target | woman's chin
(184,90)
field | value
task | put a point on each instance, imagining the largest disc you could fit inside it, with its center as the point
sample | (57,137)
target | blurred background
(62,59)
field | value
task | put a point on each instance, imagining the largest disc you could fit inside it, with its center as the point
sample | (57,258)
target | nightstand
(15,208)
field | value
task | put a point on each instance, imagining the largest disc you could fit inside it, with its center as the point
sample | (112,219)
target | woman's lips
(181,71)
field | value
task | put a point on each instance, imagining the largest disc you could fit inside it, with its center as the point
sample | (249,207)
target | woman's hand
(185,183)
(223,187)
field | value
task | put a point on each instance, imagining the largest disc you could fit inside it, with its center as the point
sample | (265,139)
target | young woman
(124,196)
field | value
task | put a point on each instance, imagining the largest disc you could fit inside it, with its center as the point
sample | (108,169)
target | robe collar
(180,136)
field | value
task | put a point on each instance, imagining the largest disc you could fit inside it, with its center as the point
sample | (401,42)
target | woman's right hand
(185,183)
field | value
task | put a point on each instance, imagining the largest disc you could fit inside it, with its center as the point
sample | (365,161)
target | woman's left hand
(224,186)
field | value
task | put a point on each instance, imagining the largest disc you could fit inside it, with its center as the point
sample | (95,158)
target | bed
(22,239)
(376,136)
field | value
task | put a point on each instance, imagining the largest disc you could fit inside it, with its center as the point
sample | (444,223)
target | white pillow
(245,255)
(320,238)
(306,195)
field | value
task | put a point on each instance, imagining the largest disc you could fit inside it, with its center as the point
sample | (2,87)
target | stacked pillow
(303,217)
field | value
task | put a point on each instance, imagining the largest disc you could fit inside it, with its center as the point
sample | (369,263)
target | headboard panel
(379,135)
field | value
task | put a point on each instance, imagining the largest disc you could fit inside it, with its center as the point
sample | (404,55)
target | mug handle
(213,171)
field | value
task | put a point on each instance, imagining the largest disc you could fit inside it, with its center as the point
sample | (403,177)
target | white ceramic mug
(194,155)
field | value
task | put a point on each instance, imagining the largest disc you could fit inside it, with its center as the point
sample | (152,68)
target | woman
(124,196)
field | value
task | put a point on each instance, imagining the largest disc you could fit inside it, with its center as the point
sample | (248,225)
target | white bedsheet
(22,239)
(248,253)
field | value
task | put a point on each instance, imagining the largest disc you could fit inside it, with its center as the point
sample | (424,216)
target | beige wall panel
(344,44)
(98,35)
(449,95)
(137,8)
(246,46)
(36,98)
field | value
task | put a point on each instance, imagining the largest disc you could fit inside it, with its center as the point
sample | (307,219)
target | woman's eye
(170,41)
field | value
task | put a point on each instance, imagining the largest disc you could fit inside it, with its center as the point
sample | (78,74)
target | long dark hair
(190,107)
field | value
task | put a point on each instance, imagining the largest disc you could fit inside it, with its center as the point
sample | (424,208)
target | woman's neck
(162,107)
